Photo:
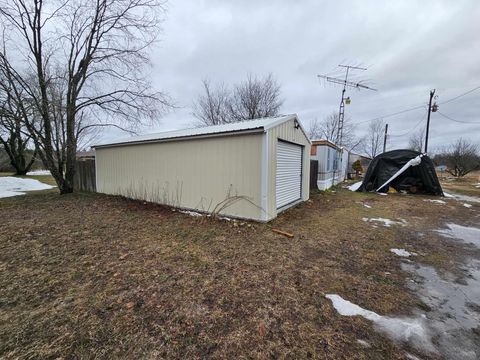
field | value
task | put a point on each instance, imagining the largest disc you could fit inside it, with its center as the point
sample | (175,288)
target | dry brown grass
(93,276)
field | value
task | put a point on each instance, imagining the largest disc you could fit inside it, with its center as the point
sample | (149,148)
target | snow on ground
(411,357)
(363,343)
(469,235)
(367,206)
(386,222)
(453,314)
(191,213)
(441,202)
(38,172)
(411,330)
(460,197)
(402,252)
(355,187)
(467,205)
(13,186)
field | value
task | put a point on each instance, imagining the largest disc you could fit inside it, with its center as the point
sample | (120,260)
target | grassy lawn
(94,276)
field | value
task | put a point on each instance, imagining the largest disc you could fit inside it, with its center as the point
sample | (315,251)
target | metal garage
(253,169)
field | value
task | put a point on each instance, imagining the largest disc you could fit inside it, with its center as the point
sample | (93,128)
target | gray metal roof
(261,124)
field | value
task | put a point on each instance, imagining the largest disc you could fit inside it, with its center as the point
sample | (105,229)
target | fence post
(313,174)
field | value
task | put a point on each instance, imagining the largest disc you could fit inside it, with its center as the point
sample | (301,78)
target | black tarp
(420,179)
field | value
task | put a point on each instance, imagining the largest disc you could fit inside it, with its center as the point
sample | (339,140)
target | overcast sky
(409,47)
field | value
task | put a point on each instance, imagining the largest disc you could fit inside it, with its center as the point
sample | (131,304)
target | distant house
(364,161)
(332,163)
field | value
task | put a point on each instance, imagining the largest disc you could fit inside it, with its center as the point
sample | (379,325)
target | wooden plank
(284,233)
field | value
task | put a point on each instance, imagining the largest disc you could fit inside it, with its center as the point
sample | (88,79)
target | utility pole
(385,138)
(430,109)
(341,112)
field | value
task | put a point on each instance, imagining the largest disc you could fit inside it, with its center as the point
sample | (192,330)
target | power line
(393,114)
(459,96)
(419,107)
(413,128)
(459,121)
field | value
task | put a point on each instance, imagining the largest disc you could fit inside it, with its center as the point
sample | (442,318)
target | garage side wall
(287,132)
(193,174)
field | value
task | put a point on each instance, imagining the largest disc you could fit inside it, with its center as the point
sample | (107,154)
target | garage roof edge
(244,127)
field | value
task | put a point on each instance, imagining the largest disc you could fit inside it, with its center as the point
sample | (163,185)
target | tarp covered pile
(403,170)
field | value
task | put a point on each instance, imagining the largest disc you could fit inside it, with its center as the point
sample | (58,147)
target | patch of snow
(367,206)
(13,186)
(411,330)
(383,194)
(441,202)
(402,252)
(39,172)
(460,197)
(467,205)
(363,343)
(469,235)
(355,187)
(191,213)
(386,222)
(411,357)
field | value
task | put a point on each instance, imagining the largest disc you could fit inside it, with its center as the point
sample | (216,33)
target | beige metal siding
(195,174)
(285,131)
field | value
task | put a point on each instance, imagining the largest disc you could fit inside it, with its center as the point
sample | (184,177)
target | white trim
(264,177)
(285,119)
(96,170)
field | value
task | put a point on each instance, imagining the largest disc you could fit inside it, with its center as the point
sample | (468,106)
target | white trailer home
(329,157)
(252,169)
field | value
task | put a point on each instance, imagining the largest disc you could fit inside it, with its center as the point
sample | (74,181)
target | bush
(357,166)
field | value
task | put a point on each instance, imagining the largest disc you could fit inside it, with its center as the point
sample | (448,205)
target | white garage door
(289,173)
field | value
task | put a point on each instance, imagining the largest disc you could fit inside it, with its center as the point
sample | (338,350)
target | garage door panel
(289,173)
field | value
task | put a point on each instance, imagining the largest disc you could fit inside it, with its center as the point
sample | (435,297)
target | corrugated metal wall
(287,132)
(195,174)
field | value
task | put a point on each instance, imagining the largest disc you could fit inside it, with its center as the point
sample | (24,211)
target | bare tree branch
(79,58)
(251,99)
(374,139)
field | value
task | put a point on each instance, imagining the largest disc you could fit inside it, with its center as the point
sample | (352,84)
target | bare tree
(417,141)
(75,60)
(374,139)
(212,107)
(251,99)
(327,129)
(255,98)
(461,158)
(13,136)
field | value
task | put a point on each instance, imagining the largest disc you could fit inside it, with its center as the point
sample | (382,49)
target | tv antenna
(345,100)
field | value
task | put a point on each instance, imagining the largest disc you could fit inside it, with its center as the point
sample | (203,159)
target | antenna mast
(341,113)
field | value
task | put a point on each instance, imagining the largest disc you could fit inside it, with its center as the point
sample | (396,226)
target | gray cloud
(409,47)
